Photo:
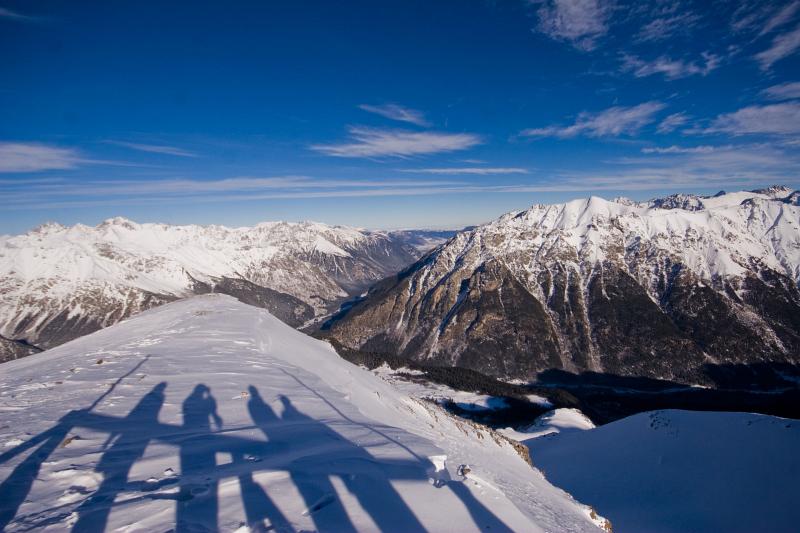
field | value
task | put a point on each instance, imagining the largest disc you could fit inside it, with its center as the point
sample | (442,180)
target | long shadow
(197,498)
(314,453)
(16,486)
(375,494)
(117,461)
(364,476)
(482,516)
(315,488)
(258,506)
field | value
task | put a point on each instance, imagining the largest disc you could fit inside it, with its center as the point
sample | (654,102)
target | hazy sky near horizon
(386,114)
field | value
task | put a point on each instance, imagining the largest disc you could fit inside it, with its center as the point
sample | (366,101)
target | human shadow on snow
(309,452)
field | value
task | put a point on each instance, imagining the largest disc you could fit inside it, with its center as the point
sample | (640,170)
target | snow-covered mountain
(58,283)
(676,471)
(658,288)
(208,414)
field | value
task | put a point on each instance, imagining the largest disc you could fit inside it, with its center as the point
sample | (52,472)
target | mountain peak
(774,191)
(118,222)
(687,202)
(48,227)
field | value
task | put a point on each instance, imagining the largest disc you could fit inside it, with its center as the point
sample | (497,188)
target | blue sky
(386,114)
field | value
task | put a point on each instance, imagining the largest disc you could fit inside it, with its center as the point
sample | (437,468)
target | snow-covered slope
(57,283)
(556,421)
(209,413)
(677,471)
(599,285)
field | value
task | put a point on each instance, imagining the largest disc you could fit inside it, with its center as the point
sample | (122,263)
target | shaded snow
(209,413)
(556,421)
(423,389)
(678,471)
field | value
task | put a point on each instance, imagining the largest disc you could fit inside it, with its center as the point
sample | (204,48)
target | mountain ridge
(314,443)
(627,288)
(58,283)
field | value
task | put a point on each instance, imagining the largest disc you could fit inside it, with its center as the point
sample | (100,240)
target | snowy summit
(209,414)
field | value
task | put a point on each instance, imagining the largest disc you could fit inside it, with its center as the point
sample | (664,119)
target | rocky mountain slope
(58,283)
(663,289)
(210,415)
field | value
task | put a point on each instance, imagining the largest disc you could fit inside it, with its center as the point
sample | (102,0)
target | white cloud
(742,166)
(79,192)
(762,17)
(672,122)
(579,22)
(682,149)
(744,18)
(614,121)
(154,148)
(729,166)
(32,157)
(468,170)
(370,142)
(8,14)
(184,187)
(664,27)
(397,112)
(783,46)
(783,91)
(784,15)
(672,69)
(780,119)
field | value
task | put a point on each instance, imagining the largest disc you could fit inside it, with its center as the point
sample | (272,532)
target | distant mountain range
(666,289)
(58,283)
(677,288)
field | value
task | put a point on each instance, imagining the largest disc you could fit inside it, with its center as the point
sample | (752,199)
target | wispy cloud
(782,46)
(397,112)
(780,119)
(672,122)
(672,69)
(468,170)
(579,22)
(371,142)
(34,157)
(783,91)
(184,187)
(781,17)
(665,27)
(729,166)
(154,148)
(9,14)
(745,17)
(38,157)
(725,166)
(763,17)
(705,149)
(611,122)
(75,191)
